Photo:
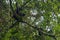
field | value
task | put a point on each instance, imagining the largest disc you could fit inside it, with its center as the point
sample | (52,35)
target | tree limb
(11,5)
(41,30)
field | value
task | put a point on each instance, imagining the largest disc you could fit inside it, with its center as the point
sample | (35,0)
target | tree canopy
(29,19)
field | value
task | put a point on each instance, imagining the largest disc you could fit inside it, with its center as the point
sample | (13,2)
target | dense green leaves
(43,14)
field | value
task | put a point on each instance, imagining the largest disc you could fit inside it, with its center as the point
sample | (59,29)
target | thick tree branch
(38,29)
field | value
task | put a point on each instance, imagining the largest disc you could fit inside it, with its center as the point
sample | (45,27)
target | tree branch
(41,30)
(24,5)
(11,5)
(15,23)
(38,29)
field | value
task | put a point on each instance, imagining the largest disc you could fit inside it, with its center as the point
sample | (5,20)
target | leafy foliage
(25,19)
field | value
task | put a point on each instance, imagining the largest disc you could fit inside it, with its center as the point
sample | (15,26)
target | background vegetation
(29,19)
